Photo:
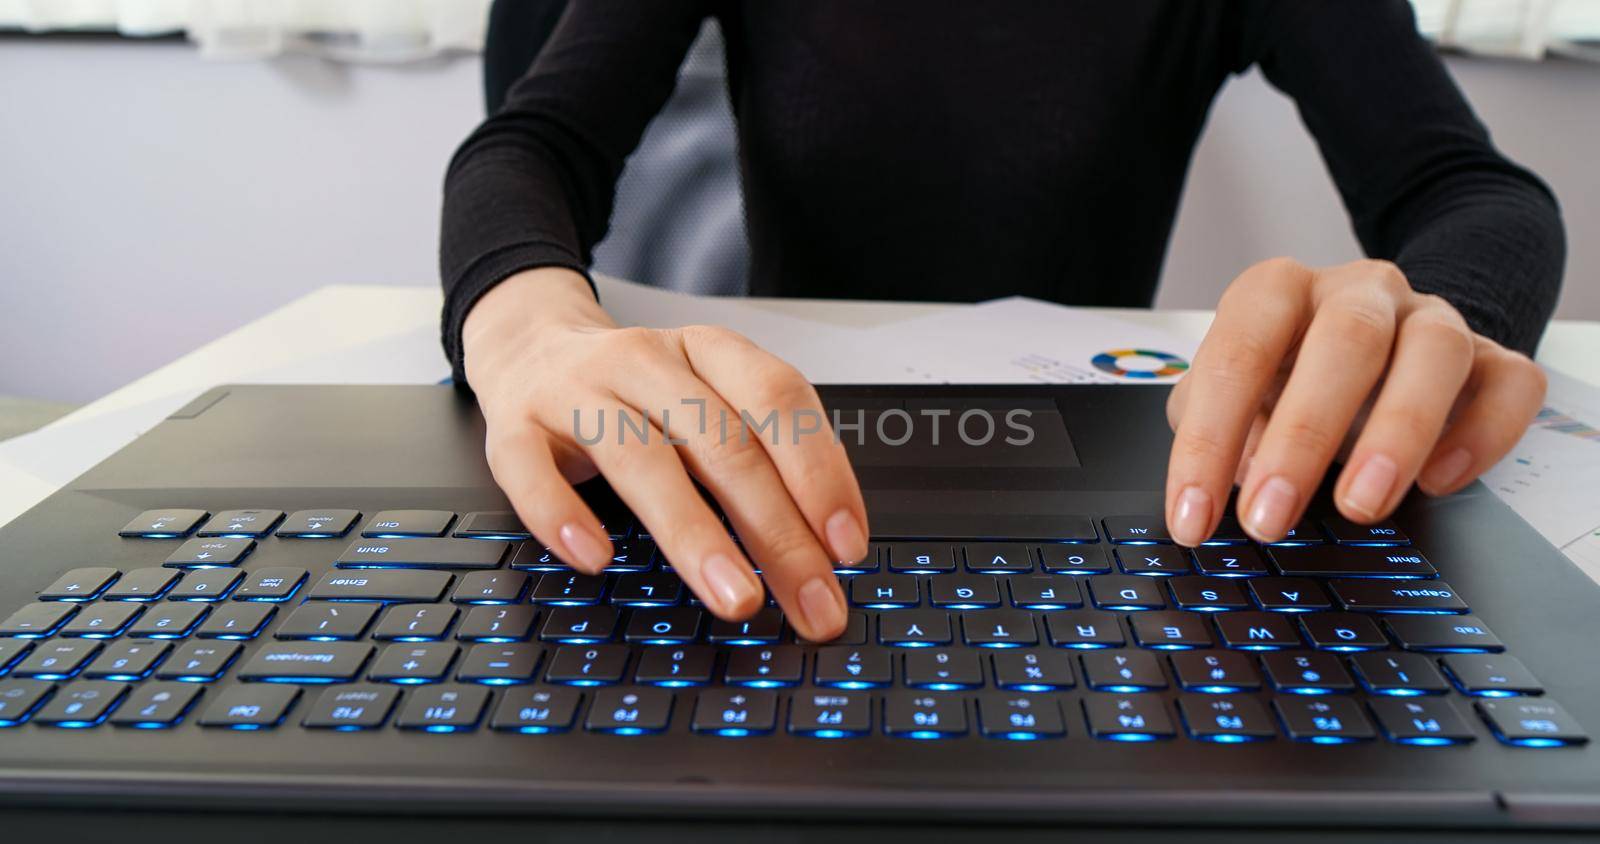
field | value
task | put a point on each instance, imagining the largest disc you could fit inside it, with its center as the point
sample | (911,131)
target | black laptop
(314,598)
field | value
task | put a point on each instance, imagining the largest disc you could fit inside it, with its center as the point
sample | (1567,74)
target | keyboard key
(1170,631)
(252,524)
(998,558)
(83,584)
(1136,530)
(663,625)
(236,621)
(630,711)
(492,525)
(631,555)
(1232,561)
(1128,717)
(1257,631)
(1123,671)
(500,665)
(199,662)
(1323,720)
(964,591)
(1346,532)
(853,668)
(1307,673)
(443,709)
(1220,672)
(307,662)
(765,627)
(364,706)
(1019,717)
(1228,532)
(423,554)
(408,523)
(1339,631)
(105,620)
(1397,674)
(579,625)
(36,621)
(1044,592)
(169,621)
(250,707)
(884,591)
(943,668)
(58,660)
(206,585)
(83,703)
(1344,561)
(781,665)
(569,589)
(215,551)
(412,664)
(675,666)
(318,524)
(497,624)
(1083,629)
(1421,721)
(1305,532)
(647,589)
(1033,670)
(587,665)
(536,711)
(19,699)
(163,524)
(531,556)
(1288,594)
(424,587)
(12,651)
(830,714)
(915,558)
(147,584)
(924,715)
(1074,559)
(1443,634)
(1491,675)
(327,622)
(1207,594)
(157,706)
(413,622)
(1126,592)
(1227,719)
(999,629)
(735,712)
(1431,597)
(1153,560)
(1531,722)
(914,628)
(855,630)
(270,584)
(128,660)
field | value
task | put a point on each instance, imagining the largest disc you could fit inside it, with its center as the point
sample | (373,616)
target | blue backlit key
(579,625)
(569,589)
(830,714)
(83,584)
(199,662)
(924,715)
(500,665)
(411,664)
(1136,530)
(363,706)
(1346,532)
(497,624)
(318,524)
(443,709)
(1257,631)
(921,558)
(237,621)
(1019,717)
(1398,674)
(328,622)
(630,711)
(57,660)
(1128,717)
(964,591)
(536,711)
(1307,673)
(163,524)
(169,621)
(735,712)
(1342,631)
(998,558)
(765,627)
(685,665)
(999,629)
(1421,721)
(1410,597)
(1126,592)
(104,620)
(1226,719)
(1083,629)
(664,625)
(1288,594)
(500,524)
(127,661)
(306,662)
(1153,560)
(766,667)
(248,523)
(157,706)
(1323,720)
(1033,670)
(428,553)
(203,552)
(1044,592)
(1491,675)
(12,651)
(587,665)
(250,706)
(36,621)
(531,556)
(408,523)
(1074,559)
(1229,561)
(914,628)
(146,585)
(1207,594)
(1531,722)
(849,667)
(19,699)
(415,623)
(1215,672)
(83,703)
(647,589)
(1444,634)
(206,585)
(274,585)
(631,555)
(1170,631)
(884,591)
(1123,671)
(943,668)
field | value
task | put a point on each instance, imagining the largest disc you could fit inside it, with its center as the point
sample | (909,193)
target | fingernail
(730,588)
(1369,490)
(587,549)
(1446,472)
(1273,509)
(822,605)
(1192,516)
(845,537)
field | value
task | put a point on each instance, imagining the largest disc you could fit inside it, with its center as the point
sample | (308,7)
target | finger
(646,473)
(1343,355)
(522,464)
(1433,356)
(1504,393)
(811,462)
(1257,323)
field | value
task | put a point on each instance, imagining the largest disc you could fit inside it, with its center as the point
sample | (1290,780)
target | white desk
(347,316)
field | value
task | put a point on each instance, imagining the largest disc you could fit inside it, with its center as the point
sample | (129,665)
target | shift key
(307,662)
(380,585)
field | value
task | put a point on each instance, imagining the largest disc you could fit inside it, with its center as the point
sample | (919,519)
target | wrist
(522,307)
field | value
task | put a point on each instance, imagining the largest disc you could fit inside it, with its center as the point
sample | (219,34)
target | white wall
(150,201)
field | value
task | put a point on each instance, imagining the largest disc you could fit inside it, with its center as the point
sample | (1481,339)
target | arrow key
(210,551)
(318,524)
(248,523)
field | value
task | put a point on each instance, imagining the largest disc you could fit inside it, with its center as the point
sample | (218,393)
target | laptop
(315,598)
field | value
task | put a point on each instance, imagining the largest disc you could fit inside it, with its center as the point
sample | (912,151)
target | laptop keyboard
(423,620)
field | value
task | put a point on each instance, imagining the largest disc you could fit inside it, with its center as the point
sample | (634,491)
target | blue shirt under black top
(958,150)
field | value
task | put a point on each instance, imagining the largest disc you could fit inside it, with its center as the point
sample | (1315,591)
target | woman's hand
(1300,359)
(543,358)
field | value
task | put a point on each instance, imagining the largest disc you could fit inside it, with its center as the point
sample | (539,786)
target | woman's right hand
(543,356)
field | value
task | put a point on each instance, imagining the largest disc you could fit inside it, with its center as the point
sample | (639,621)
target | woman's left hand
(1301,360)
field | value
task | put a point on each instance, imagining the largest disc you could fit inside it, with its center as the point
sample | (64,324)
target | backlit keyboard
(423,620)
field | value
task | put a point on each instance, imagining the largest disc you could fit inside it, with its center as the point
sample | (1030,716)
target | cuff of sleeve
(481,277)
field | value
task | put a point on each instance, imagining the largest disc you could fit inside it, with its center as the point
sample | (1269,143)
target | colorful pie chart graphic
(1139,364)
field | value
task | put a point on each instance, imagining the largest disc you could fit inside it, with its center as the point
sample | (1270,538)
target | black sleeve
(1424,185)
(534,184)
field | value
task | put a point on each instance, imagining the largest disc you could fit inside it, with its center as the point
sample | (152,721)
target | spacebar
(307,662)
(378,585)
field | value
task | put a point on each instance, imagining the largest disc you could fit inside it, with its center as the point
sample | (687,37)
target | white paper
(1549,477)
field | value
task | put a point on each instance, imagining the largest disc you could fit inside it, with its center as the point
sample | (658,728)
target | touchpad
(953,432)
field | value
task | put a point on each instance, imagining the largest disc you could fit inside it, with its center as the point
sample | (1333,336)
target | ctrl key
(1526,722)
(250,707)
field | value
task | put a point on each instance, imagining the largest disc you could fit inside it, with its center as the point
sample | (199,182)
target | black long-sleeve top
(954,150)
